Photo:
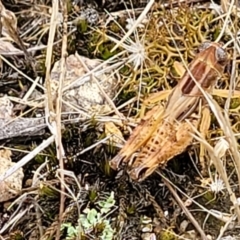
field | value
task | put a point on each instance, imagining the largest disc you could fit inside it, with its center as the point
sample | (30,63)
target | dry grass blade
(27,158)
(218,164)
(20,72)
(226,21)
(223,217)
(53,23)
(140,18)
(58,139)
(101,89)
(9,24)
(183,207)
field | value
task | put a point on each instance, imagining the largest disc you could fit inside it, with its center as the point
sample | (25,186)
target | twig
(27,158)
(94,145)
(98,70)
(139,20)
(110,102)
(20,72)
(58,139)
(218,163)
(225,21)
(31,89)
(186,211)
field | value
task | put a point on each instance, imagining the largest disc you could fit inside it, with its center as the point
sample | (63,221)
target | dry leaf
(114,132)
(10,187)
(9,23)
(7,47)
(6,108)
(221,147)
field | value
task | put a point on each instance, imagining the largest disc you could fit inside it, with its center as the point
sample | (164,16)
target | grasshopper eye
(221,55)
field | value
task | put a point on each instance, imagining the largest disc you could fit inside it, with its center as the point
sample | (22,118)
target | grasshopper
(164,133)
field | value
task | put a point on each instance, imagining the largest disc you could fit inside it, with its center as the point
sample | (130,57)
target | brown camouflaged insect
(164,133)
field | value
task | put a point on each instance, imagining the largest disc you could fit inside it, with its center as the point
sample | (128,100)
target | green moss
(131,209)
(105,50)
(167,235)
(92,195)
(48,192)
(235,103)
(81,24)
(209,196)
(105,167)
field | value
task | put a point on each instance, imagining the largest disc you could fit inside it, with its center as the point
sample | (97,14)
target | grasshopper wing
(168,141)
(139,136)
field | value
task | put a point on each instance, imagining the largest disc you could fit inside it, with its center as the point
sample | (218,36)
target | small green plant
(93,221)
(71,230)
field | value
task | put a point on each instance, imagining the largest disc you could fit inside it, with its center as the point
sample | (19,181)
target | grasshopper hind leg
(116,161)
